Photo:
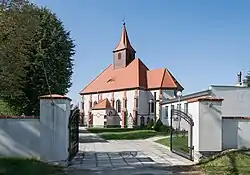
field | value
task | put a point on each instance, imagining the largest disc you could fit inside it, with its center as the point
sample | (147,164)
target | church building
(126,93)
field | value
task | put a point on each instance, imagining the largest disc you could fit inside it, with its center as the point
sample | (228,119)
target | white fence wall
(45,138)
(20,137)
(235,133)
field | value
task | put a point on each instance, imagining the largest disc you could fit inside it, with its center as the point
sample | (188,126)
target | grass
(20,166)
(179,143)
(105,130)
(129,135)
(233,163)
(226,163)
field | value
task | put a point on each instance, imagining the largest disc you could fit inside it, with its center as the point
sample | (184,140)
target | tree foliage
(247,79)
(36,55)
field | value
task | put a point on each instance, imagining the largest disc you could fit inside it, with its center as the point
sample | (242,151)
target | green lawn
(102,130)
(127,135)
(19,166)
(179,143)
(231,163)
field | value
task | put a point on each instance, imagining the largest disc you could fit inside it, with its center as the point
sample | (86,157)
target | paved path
(98,154)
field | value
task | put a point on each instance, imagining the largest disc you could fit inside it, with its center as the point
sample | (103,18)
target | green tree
(17,25)
(47,63)
(247,79)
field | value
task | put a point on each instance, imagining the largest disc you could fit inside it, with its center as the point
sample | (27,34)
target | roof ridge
(142,63)
(95,78)
(163,76)
(174,79)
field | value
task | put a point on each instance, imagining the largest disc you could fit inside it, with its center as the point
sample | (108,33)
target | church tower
(124,53)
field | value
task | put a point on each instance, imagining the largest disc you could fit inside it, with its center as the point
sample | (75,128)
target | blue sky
(200,42)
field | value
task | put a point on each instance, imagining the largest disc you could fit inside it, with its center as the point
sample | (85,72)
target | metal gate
(73,127)
(181,134)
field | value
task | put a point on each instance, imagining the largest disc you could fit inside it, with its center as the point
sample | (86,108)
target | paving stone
(104,165)
(133,151)
(117,164)
(146,159)
(131,160)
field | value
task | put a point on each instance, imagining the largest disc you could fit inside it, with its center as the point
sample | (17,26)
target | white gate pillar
(54,118)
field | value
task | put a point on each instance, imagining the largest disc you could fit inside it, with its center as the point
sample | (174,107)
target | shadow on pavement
(124,163)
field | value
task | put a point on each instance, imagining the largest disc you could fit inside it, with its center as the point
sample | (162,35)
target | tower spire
(123,53)
(124,42)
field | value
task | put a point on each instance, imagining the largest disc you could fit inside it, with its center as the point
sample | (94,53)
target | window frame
(152,107)
(118,106)
(179,106)
(186,108)
(166,115)
(119,55)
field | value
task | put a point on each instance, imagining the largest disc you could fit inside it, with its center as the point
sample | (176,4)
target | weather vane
(123,21)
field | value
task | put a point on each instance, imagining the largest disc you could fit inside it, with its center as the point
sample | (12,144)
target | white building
(221,117)
(132,90)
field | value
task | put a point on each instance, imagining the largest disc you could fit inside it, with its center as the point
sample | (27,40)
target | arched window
(142,121)
(152,107)
(118,106)
(148,120)
(95,103)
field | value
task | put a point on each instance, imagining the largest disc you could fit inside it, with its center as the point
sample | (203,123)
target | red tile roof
(135,75)
(54,96)
(103,104)
(204,98)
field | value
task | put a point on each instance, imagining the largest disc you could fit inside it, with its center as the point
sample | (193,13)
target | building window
(166,112)
(95,103)
(105,116)
(152,107)
(118,106)
(186,108)
(119,56)
(125,104)
(142,121)
(83,106)
(136,102)
(172,107)
(148,120)
(179,106)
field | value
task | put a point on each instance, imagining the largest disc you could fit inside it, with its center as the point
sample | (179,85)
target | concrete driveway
(124,156)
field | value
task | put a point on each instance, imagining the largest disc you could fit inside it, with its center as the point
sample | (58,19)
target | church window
(166,112)
(119,56)
(125,104)
(136,102)
(148,120)
(152,107)
(142,121)
(95,103)
(118,106)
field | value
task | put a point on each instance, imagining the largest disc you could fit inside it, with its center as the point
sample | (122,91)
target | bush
(158,125)
(165,128)
(150,124)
